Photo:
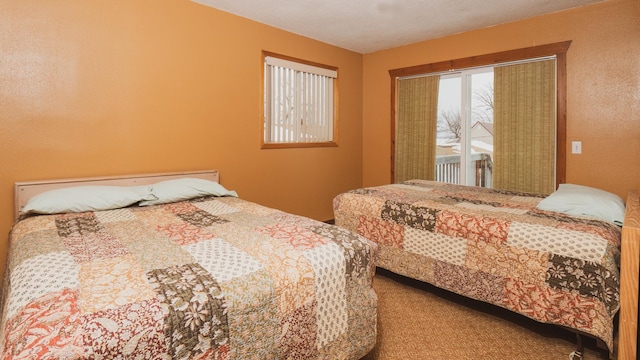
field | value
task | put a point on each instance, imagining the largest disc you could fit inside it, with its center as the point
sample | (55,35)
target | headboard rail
(23,191)
(629,269)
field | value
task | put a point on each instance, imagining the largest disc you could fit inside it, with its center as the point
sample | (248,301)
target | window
(464,139)
(299,103)
(496,120)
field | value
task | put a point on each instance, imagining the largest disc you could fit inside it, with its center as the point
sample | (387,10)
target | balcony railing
(448,169)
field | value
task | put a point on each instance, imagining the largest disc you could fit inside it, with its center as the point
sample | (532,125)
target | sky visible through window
(450,98)
(450,94)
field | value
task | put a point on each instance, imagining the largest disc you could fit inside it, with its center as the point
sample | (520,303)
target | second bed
(496,247)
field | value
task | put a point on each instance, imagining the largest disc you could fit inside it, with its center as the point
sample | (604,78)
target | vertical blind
(299,102)
(416,128)
(525,126)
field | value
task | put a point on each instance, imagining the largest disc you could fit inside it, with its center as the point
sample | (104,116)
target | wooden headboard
(23,191)
(629,268)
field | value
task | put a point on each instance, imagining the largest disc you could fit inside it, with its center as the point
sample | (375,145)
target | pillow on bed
(86,198)
(585,201)
(183,189)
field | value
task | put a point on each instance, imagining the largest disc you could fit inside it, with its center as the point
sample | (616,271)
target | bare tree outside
(450,125)
(450,120)
(484,111)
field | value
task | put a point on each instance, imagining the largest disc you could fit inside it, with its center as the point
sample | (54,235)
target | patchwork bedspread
(210,278)
(494,246)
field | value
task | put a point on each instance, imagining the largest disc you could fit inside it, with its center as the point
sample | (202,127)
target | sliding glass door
(464,146)
(490,126)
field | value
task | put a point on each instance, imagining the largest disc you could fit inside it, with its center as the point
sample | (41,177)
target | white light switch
(576,147)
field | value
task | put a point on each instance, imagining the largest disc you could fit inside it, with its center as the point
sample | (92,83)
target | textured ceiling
(366,26)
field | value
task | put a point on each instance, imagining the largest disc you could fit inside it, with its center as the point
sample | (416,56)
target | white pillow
(85,198)
(183,189)
(585,201)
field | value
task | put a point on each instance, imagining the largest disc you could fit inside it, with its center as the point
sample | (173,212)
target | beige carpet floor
(419,321)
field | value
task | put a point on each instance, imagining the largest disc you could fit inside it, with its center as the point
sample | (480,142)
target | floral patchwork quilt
(494,246)
(208,278)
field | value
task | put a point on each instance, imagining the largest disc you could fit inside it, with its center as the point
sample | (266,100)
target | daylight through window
(498,121)
(299,105)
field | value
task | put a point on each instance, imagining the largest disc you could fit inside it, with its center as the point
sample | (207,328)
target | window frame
(269,145)
(558,49)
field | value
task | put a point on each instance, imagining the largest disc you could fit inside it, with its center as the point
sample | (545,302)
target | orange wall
(102,87)
(90,88)
(603,88)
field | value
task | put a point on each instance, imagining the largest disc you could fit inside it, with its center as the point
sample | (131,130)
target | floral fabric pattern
(208,278)
(494,246)
(195,309)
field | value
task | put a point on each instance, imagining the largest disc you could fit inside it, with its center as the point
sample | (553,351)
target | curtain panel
(524,127)
(417,109)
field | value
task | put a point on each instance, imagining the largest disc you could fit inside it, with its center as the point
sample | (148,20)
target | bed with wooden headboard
(208,276)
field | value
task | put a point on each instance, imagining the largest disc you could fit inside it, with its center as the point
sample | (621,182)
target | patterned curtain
(416,124)
(524,127)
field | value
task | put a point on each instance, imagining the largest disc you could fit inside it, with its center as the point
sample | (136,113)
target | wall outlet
(576,147)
